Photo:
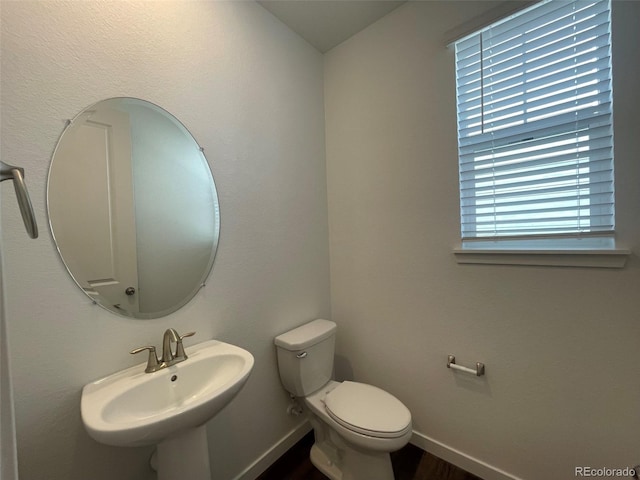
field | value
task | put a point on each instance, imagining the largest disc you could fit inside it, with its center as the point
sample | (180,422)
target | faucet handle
(190,334)
(152,362)
(180,348)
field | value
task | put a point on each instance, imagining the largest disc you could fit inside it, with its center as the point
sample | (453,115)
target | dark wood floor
(409,463)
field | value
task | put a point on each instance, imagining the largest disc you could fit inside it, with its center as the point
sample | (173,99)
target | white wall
(560,344)
(251,93)
(8,447)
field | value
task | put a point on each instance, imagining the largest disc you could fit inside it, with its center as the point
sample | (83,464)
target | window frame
(574,249)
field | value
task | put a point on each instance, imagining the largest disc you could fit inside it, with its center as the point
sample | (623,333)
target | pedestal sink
(168,407)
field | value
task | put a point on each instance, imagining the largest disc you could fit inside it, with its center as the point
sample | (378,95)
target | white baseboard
(460,459)
(439,449)
(263,462)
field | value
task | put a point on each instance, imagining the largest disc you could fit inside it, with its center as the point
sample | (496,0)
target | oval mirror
(133,208)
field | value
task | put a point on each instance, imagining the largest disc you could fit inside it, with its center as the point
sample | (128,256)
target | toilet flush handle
(301,355)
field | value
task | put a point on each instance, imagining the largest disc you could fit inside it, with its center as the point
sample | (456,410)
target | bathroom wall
(251,93)
(8,447)
(560,344)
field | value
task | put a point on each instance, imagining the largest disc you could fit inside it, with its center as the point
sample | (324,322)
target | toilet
(355,425)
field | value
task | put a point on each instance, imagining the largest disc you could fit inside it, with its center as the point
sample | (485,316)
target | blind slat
(544,18)
(496,79)
(499,56)
(534,153)
(601,199)
(592,152)
(566,179)
(569,122)
(473,92)
(546,12)
(486,82)
(528,110)
(508,179)
(470,102)
(539,192)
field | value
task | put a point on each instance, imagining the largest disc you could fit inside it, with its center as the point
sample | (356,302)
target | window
(535,135)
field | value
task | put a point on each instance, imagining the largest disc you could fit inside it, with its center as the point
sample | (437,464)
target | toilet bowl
(356,425)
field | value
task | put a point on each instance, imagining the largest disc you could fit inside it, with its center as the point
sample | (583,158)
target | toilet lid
(368,410)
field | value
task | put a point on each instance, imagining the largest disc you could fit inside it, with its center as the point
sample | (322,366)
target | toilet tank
(305,356)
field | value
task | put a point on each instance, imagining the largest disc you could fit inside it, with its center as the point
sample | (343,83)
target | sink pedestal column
(185,456)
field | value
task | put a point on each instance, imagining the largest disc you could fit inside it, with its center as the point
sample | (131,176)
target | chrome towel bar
(451,363)
(9,172)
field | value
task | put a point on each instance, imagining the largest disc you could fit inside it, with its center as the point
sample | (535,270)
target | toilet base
(351,464)
(323,462)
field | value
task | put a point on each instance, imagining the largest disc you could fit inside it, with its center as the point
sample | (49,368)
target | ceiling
(326,23)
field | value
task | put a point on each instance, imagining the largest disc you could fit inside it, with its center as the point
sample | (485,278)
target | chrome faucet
(170,335)
(168,357)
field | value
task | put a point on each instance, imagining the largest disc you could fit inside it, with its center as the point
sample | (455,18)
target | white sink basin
(133,408)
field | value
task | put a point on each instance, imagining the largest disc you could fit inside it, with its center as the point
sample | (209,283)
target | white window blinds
(535,131)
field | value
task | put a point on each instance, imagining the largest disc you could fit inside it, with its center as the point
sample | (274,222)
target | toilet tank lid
(306,335)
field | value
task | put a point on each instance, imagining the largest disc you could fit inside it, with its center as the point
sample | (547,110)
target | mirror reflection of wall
(133,208)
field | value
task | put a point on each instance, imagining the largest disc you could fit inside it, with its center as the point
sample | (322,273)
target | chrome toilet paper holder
(479,370)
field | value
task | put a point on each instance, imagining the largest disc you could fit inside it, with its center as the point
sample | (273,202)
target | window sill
(530,253)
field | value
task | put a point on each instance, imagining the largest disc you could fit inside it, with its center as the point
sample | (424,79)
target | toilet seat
(368,410)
